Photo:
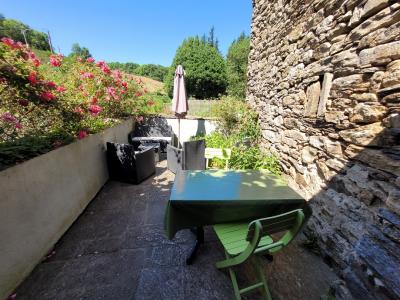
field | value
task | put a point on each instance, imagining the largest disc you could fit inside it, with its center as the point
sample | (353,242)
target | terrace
(117,249)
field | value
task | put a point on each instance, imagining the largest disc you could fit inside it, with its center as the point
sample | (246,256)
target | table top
(231,185)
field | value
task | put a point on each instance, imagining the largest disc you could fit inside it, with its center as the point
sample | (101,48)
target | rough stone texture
(117,249)
(331,71)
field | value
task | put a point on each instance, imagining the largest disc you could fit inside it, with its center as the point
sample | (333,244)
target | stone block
(311,106)
(308,154)
(381,54)
(334,116)
(296,135)
(367,135)
(364,97)
(393,201)
(364,113)
(378,159)
(324,95)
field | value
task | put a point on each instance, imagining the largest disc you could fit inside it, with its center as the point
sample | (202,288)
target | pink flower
(9,42)
(51,85)
(90,60)
(79,59)
(47,96)
(139,119)
(23,102)
(116,74)
(138,94)
(106,69)
(36,62)
(124,84)
(78,110)
(87,75)
(56,60)
(111,91)
(103,67)
(9,118)
(82,134)
(94,100)
(95,109)
(18,125)
(61,89)
(32,77)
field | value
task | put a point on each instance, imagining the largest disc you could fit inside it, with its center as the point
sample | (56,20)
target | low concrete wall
(41,198)
(191,127)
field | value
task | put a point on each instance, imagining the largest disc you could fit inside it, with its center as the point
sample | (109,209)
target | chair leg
(234,283)
(258,265)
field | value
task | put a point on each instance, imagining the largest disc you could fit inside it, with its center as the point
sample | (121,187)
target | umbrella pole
(179,133)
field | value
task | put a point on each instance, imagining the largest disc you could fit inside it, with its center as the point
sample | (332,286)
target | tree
(236,63)
(205,69)
(212,40)
(14,29)
(77,50)
(156,72)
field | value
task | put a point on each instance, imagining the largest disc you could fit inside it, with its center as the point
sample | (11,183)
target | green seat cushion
(233,237)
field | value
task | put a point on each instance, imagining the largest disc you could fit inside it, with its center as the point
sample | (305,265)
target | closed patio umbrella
(179,101)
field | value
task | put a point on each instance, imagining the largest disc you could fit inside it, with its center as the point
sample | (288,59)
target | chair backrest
(224,153)
(288,223)
(193,155)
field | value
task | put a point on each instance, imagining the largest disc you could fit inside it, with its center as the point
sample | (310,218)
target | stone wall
(325,77)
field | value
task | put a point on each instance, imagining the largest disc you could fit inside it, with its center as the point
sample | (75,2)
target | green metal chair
(224,154)
(243,241)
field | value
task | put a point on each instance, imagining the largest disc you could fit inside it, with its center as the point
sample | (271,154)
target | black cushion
(126,165)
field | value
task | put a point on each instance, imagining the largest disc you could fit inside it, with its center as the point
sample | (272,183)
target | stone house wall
(325,77)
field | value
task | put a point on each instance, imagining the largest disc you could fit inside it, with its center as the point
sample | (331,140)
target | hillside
(152,86)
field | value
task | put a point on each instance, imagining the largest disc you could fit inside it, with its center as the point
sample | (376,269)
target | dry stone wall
(325,77)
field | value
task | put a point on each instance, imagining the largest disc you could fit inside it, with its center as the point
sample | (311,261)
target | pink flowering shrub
(67,96)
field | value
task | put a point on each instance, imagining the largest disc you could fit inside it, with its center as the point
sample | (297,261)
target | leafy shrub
(69,96)
(239,130)
(236,65)
(236,117)
(205,69)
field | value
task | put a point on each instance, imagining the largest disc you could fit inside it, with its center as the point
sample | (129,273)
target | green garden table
(200,198)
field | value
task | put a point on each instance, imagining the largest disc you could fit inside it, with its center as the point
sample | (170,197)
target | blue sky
(146,31)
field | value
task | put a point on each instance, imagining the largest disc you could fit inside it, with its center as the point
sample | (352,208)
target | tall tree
(15,29)
(205,69)
(236,63)
(77,50)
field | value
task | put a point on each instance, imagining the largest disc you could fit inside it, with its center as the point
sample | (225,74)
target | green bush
(205,69)
(236,117)
(239,130)
(236,65)
(156,72)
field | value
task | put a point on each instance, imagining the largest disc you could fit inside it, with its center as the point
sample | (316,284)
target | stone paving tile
(161,283)
(42,282)
(117,249)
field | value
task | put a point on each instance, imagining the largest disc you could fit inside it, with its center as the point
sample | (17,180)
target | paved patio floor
(117,250)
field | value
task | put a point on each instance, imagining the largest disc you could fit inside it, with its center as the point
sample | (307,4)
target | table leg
(199,231)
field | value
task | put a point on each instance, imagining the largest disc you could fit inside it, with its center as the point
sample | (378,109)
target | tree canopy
(205,69)
(236,63)
(77,50)
(14,29)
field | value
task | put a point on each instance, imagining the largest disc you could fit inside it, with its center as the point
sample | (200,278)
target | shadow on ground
(117,250)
